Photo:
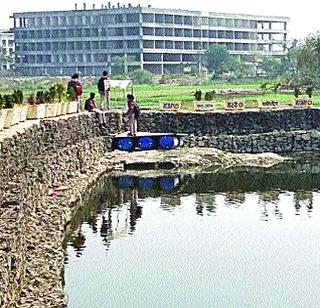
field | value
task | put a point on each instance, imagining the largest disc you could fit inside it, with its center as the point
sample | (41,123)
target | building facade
(7,51)
(130,38)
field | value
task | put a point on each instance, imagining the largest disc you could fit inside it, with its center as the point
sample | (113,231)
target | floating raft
(147,141)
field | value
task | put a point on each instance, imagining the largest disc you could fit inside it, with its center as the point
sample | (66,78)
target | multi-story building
(7,50)
(159,40)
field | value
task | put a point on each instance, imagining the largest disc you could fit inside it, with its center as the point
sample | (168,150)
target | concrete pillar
(162,66)
(125,64)
(141,60)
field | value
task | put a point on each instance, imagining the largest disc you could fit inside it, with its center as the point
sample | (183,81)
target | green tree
(120,63)
(308,61)
(215,58)
(141,77)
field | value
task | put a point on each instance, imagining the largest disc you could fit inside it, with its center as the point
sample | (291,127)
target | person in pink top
(132,115)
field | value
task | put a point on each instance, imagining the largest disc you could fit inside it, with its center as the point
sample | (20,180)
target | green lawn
(149,96)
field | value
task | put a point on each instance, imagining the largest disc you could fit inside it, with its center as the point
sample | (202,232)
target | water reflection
(257,216)
(119,213)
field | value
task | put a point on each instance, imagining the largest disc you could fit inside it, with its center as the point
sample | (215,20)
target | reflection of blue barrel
(125,181)
(146,183)
(167,183)
(168,142)
(125,144)
(145,143)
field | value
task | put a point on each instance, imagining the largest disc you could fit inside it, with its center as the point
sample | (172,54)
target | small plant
(61,90)
(309,91)
(1,101)
(71,94)
(31,100)
(263,87)
(8,101)
(276,87)
(297,92)
(198,95)
(40,99)
(17,97)
(209,95)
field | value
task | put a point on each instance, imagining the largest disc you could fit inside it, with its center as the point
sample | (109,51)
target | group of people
(75,90)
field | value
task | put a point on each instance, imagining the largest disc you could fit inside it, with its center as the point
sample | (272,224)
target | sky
(303,14)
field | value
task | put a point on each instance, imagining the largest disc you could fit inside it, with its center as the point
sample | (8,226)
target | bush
(209,95)
(61,91)
(40,99)
(17,97)
(309,91)
(198,95)
(297,92)
(8,101)
(1,101)
(31,100)
(141,77)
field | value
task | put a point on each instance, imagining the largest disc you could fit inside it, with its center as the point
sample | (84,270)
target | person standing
(75,88)
(132,115)
(104,87)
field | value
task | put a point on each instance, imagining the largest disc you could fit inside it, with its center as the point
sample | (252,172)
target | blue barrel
(167,183)
(168,142)
(146,143)
(146,183)
(125,144)
(125,181)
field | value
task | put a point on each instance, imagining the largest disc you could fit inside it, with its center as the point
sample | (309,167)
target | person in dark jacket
(104,87)
(90,105)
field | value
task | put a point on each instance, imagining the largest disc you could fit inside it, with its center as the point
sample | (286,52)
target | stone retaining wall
(288,130)
(45,155)
(231,123)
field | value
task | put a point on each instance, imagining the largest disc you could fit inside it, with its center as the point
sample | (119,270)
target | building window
(204,33)
(133,31)
(187,32)
(118,31)
(196,33)
(159,18)
(205,21)
(187,20)
(196,45)
(168,32)
(148,18)
(118,19)
(133,18)
(168,19)
(168,44)
(178,20)
(94,32)
(148,44)
(178,32)
(159,31)
(133,44)
(148,31)
(178,45)
(188,45)
(159,44)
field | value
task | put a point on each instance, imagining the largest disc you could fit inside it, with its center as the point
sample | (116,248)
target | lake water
(233,239)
